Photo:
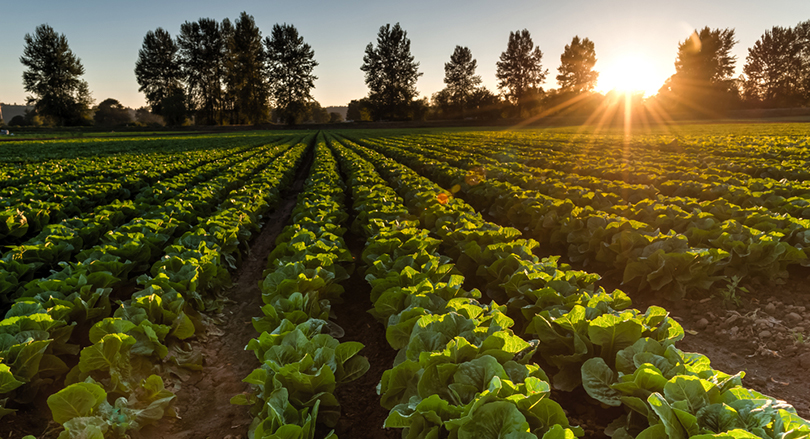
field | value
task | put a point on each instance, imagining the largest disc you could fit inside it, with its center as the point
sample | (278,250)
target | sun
(629,74)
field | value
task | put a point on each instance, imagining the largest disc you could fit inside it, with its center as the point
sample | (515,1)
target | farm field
(460,283)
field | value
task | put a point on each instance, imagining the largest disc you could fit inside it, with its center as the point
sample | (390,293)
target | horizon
(647,31)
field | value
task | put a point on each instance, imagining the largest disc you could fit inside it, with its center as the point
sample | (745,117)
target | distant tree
(17,121)
(441,105)
(316,113)
(703,69)
(335,117)
(158,70)
(110,112)
(775,70)
(290,63)
(576,67)
(359,110)
(390,74)
(53,76)
(460,77)
(174,109)
(483,104)
(145,117)
(520,70)
(246,73)
(202,49)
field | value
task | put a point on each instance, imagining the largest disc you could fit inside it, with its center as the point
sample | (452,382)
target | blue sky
(106,35)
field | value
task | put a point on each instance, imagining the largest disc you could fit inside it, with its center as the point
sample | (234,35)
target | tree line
(226,73)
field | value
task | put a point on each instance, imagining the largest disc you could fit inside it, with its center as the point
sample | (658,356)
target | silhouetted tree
(576,67)
(53,76)
(483,104)
(391,74)
(460,77)
(246,73)
(202,53)
(291,62)
(520,70)
(316,113)
(775,70)
(110,112)
(335,117)
(703,68)
(157,69)
(359,110)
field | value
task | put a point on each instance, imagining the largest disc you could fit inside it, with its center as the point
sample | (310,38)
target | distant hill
(7,112)
(341,110)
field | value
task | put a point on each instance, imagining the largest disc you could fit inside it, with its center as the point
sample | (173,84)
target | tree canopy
(391,74)
(777,68)
(576,66)
(291,63)
(246,78)
(203,46)
(702,81)
(53,76)
(520,70)
(460,77)
(158,70)
(110,112)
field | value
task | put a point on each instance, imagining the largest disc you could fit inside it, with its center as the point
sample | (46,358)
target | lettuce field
(420,283)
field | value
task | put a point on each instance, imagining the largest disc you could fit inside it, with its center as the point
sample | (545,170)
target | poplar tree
(53,76)
(460,77)
(520,69)
(290,64)
(391,74)
(158,71)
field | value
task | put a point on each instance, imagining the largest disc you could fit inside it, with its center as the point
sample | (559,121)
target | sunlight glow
(628,74)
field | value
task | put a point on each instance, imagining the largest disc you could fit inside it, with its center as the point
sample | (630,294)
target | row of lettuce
(111,360)
(665,243)
(42,193)
(592,341)
(301,360)
(124,229)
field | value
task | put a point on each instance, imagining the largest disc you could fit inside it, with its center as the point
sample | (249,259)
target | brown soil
(767,335)
(203,401)
(362,416)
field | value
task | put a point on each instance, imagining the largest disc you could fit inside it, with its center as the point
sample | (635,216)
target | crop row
(704,253)
(627,178)
(27,206)
(460,368)
(301,360)
(593,340)
(113,230)
(122,357)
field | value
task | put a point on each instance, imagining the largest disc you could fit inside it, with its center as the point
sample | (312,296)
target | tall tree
(246,72)
(54,78)
(460,77)
(520,70)
(157,69)
(290,63)
(202,58)
(703,70)
(110,112)
(775,69)
(391,73)
(576,67)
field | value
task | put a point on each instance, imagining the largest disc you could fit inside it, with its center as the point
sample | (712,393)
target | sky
(630,36)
